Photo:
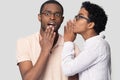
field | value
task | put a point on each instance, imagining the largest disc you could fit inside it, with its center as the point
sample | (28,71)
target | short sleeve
(23,49)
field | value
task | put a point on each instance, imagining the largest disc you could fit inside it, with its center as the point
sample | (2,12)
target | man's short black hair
(53,2)
(97,15)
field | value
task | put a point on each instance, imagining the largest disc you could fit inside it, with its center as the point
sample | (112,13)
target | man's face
(51,16)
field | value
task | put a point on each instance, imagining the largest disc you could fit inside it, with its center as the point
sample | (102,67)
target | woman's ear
(91,25)
(39,17)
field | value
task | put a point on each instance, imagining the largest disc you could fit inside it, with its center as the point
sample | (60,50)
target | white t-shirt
(93,63)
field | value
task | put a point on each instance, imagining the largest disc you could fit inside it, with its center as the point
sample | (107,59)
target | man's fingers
(46,32)
(49,33)
(53,36)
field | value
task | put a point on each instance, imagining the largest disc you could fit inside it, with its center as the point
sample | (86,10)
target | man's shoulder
(30,37)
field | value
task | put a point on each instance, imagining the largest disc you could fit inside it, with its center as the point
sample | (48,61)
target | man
(94,62)
(39,55)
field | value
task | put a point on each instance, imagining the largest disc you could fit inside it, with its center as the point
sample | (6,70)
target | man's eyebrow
(46,11)
(51,11)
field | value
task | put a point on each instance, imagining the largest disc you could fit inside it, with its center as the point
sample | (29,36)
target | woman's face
(81,21)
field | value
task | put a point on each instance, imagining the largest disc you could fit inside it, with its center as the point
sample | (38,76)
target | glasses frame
(49,14)
(78,17)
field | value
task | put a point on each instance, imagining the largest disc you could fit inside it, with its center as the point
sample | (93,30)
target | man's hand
(47,39)
(69,35)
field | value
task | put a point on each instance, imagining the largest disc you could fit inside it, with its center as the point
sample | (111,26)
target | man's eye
(47,14)
(57,14)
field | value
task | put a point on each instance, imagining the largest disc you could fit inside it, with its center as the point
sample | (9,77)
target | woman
(93,63)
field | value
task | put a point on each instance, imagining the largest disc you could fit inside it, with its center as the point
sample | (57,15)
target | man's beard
(43,28)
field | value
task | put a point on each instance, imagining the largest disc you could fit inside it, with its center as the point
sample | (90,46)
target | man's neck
(56,38)
(41,32)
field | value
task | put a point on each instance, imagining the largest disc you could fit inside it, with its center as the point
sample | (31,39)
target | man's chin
(43,29)
(56,30)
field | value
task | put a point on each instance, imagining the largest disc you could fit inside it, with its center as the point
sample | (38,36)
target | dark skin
(75,77)
(49,38)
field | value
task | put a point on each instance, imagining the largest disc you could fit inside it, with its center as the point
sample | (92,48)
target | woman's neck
(89,34)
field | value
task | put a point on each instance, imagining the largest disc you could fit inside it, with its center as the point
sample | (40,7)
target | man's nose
(52,16)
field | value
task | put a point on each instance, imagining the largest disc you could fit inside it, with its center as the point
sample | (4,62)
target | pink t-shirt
(29,49)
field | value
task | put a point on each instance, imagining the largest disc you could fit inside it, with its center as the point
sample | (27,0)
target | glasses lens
(78,17)
(48,13)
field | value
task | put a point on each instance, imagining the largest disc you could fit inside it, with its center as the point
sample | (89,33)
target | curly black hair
(51,1)
(97,15)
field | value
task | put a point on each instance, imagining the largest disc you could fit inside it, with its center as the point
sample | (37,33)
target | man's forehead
(52,7)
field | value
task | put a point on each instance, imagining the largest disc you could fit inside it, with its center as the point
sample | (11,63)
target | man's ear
(91,25)
(62,19)
(39,17)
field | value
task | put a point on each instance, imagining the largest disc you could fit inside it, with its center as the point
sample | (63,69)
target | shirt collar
(95,37)
(59,42)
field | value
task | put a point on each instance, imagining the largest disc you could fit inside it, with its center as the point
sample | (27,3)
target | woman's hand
(69,35)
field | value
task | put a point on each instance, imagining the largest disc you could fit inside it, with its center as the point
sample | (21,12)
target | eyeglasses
(49,14)
(78,17)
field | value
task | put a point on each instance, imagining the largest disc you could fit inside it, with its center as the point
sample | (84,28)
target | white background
(18,18)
